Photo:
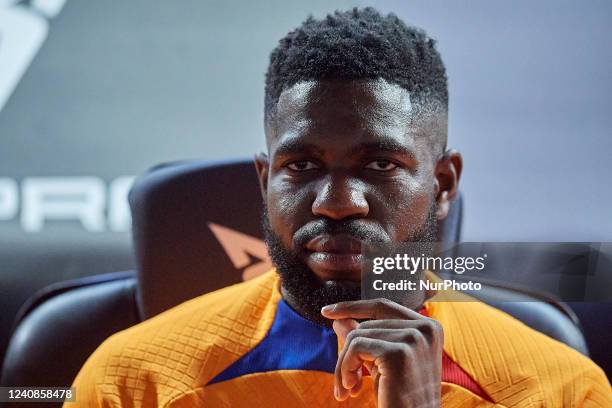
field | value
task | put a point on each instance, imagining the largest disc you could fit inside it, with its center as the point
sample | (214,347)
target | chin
(346,278)
(346,283)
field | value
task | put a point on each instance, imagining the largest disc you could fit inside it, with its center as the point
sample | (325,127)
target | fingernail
(328,308)
(336,393)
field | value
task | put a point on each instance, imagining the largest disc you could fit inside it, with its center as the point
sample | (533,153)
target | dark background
(115,87)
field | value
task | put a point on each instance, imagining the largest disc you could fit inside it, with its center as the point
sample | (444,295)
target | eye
(303,165)
(381,165)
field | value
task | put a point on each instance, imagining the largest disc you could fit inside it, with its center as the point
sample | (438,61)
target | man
(356,123)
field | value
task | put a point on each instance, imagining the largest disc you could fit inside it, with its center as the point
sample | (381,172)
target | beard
(308,293)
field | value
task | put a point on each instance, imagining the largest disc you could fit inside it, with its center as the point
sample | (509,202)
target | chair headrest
(197,228)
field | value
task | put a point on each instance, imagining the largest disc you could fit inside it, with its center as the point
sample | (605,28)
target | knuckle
(352,335)
(431,328)
(353,348)
(437,325)
(363,325)
(359,344)
(400,353)
(383,305)
(368,324)
(413,336)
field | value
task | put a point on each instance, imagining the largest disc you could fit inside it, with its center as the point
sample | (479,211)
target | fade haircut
(359,44)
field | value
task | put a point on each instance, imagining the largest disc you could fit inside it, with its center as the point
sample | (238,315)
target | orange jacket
(242,347)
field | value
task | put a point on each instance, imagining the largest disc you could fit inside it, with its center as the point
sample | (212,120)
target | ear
(447,174)
(262,165)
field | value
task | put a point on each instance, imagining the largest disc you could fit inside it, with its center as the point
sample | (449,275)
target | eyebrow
(384,146)
(295,146)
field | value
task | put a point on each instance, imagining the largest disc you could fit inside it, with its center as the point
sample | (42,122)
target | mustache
(324,226)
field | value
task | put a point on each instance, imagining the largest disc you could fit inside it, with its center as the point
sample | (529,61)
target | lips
(337,244)
(335,257)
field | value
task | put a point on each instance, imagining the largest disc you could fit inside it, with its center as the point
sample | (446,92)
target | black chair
(196,228)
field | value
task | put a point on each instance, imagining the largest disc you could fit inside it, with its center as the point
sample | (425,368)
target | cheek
(289,208)
(405,208)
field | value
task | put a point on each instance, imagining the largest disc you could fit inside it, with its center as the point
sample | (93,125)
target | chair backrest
(63,324)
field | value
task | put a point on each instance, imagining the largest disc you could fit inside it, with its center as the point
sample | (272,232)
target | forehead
(343,112)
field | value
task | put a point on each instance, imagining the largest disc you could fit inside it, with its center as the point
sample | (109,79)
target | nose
(340,198)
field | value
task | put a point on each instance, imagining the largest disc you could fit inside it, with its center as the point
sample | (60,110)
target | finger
(351,376)
(361,350)
(340,391)
(354,355)
(343,327)
(348,330)
(406,335)
(369,309)
(357,387)
(386,324)
(431,328)
(352,381)
(376,377)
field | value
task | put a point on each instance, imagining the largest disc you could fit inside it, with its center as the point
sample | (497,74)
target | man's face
(348,162)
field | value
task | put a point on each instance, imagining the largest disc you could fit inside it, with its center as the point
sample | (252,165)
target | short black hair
(353,45)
